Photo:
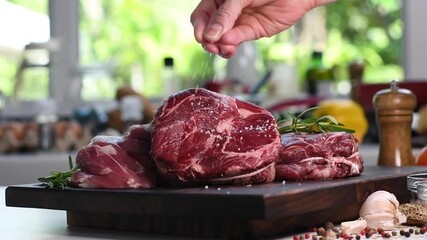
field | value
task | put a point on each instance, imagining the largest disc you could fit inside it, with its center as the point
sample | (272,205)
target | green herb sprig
(326,123)
(59,179)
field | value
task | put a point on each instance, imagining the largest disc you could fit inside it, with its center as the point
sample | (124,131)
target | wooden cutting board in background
(218,211)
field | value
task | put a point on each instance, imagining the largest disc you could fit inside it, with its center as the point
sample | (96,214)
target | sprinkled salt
(283,182)
(249,185)
(219,189)
(228,192)
(206,187)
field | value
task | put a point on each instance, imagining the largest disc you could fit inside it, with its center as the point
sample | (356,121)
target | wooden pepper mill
(394,109)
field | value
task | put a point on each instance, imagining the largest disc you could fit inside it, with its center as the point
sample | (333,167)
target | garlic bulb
(354,227)
(380,210)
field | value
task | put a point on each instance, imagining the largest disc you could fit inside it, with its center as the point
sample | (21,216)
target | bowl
(412,182)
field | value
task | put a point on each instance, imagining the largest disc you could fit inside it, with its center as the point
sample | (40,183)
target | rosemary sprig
(59,179)
(326,123)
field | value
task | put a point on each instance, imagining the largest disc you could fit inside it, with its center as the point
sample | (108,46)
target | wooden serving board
(218,211)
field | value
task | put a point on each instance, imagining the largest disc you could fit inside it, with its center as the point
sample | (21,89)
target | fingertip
(211,48)
(199,27)
(227,51)
(213,32)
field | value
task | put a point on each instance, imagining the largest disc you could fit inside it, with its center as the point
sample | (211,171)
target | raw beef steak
(318,157)
(201,136)
(116,162)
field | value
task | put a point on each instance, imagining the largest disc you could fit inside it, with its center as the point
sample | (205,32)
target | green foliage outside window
(124,33)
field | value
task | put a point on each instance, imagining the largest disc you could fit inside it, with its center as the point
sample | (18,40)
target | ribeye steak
(318,157)
(201,136)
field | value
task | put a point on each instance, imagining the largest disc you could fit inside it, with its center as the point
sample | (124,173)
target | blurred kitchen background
(73,69)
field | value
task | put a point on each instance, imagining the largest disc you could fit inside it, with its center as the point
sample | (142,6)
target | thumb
(223,20)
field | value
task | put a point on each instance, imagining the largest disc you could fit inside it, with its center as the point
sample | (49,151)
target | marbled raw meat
(318,157)
(201,136)
(116,162)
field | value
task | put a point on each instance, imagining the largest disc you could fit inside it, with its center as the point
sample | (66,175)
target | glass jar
(422,192)
(412,182)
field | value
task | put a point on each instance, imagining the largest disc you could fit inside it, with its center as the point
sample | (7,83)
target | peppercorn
(407,234)
(394,233)
(402,232)
(358,237)
(417,232)
(411,230)
(422,231)
(385,235)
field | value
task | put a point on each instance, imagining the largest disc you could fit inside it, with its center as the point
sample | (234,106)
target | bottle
(170,84)
(356,70)
(46,119)
(393,111)
(319,79)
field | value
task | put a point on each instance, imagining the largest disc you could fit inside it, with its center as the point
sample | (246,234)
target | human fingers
(239,34)
(200,18)
(210,47)
(225,51)
(224,19)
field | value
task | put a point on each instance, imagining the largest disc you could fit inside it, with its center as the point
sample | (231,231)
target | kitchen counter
(32,223)
(259,210)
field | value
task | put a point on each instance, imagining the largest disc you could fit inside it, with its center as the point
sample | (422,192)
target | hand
(221,25)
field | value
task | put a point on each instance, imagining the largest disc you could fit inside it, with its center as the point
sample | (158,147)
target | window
(30,25)
(126,42)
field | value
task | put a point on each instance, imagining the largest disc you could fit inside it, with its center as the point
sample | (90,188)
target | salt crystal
(219,188)
(283,182)
(249,185)
(206,187)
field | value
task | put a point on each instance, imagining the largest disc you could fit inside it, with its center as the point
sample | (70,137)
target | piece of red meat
(318,157)
(115,162)
(201,136)
(137,143)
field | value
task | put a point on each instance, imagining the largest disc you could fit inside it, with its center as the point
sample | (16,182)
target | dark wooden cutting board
(218,211)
